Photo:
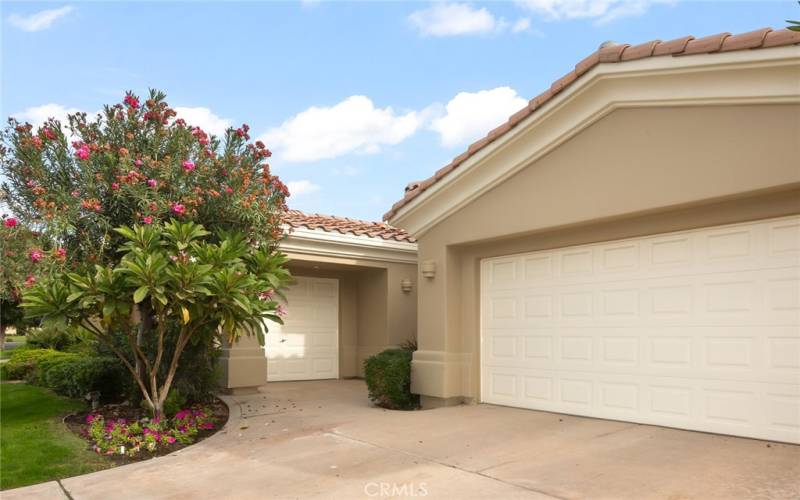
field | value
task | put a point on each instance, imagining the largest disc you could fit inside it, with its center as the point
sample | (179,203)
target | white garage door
(696,330)
(306,347)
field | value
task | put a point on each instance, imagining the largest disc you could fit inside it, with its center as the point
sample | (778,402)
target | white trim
(334,244)
(706,79)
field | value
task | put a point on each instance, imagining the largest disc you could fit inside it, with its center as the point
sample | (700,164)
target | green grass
(35,445)
(15,338)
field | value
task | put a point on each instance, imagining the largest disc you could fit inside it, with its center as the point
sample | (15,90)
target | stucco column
(437,369)
(243,366)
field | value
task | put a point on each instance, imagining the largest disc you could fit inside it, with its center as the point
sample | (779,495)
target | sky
(355,99)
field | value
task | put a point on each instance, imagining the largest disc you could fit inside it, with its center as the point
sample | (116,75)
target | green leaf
(140,293)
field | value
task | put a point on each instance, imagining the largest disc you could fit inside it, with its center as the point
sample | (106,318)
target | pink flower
(147,219)
(37,141)
(61,253)
(75,194)
(138,162)
(30,281)
(280,310)
(178,209)
(266,295)
(131,101)
(31,184)
(152,183)
(170,439)
(206,426)
(48,133)
(83,152)
(36,255)
(10,222)
(228,190)
(188,165)
(115,186)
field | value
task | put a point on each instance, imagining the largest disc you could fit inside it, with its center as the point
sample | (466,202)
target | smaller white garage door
(306,347)
(696,329)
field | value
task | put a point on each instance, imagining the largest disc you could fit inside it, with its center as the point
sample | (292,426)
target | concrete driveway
(324,440)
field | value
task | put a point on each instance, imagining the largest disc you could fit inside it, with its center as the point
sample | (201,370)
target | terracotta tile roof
(343,225)
(611,53)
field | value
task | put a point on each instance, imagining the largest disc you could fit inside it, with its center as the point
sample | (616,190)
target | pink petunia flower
(188,165)
(61,253)
(138,162)
(10,222)
(147,219)
(36,255)
(170,439)
(30,281)
(178,209)
(152,183)
(115,186)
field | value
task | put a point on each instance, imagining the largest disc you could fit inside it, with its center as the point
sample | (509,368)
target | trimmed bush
(69,374)
(22,363)
(75,376)
(388,376)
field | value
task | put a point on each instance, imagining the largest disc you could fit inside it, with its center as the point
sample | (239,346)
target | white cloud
(203,118)
(470,115)
(298,188)
(346,171)
(603,11)
(40,20)
(452,19)
(37,115)
(352,125)
(522,24)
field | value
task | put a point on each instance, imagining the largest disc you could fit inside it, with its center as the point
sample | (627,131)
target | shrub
(388,376)
(23,362)
(66,373)
(75,376)
(49,337)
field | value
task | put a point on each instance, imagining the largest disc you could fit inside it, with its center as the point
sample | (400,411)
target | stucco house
(627,247)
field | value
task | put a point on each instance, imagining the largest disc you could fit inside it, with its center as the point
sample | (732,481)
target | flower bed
(128,434)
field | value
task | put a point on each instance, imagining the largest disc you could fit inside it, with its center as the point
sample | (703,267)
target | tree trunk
(2,336)
(145,327)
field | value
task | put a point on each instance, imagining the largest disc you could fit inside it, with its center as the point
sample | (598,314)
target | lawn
(35,446)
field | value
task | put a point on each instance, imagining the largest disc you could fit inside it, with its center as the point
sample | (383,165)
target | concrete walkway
(324,440)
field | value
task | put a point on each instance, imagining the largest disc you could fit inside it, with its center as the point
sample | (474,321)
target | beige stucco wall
(634,172)
(374,313)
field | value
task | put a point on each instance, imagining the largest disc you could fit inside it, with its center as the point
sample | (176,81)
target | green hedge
(388,376)
(69,374)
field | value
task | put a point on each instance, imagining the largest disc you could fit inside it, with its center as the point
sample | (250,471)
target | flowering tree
(137,163)
(22,252)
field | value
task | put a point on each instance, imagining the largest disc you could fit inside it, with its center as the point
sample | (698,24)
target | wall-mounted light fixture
(428,268)
(406,285)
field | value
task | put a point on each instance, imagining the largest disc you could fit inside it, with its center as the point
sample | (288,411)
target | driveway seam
(443,464)
(63,489)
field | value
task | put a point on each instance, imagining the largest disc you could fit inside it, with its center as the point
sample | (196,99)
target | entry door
(306,346)
(696,330)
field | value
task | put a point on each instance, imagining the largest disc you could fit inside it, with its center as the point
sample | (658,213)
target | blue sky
(355,99)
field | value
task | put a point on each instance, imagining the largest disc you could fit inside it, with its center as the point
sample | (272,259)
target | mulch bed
(76,422)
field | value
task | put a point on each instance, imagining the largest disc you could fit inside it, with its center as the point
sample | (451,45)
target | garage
(306,347)
(696,329)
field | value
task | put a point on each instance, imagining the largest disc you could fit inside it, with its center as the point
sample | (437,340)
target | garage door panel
(697,329)
(306,346)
